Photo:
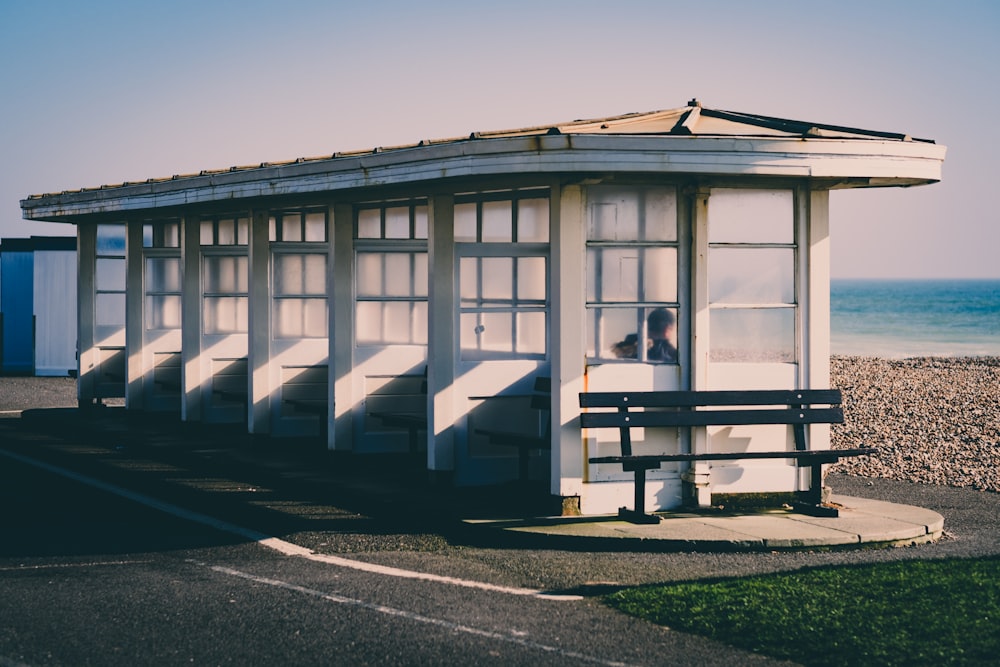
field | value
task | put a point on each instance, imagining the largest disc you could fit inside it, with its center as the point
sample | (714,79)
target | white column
(340,291)
(191,318)
(698,474)
(259,390)
(86,249)
(442,338)
(568,238)
(817,307)
(135,370)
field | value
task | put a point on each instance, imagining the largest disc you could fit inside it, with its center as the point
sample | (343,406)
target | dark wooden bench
(411,422)
(541,400)
(666,409)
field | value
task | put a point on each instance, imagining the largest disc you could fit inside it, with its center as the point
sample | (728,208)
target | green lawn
(944,612)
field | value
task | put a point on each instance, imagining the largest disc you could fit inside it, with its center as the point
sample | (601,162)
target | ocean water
(915,318)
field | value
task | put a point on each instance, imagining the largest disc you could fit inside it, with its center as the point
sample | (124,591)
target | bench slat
(826,455)
(711,418)
(686,399)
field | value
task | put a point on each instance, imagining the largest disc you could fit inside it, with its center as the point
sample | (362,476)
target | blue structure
(22,297)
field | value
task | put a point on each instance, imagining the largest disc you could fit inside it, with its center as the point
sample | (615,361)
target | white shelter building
(412,296)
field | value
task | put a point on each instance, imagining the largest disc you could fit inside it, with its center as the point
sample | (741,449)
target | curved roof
(690,140)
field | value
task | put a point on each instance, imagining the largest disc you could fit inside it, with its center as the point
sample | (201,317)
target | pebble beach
(935,420)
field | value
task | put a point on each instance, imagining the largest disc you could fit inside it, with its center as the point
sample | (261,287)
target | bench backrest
(677,409)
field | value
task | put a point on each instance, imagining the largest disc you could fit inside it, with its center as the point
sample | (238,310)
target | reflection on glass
(163,311)
(756,335)
(531,279)
(315,227)
(397,222)
(111,239)
(300,318)
(226,274)
(420,222)
(369,223)
(163,274)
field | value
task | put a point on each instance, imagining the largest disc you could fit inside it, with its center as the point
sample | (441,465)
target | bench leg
(638,515)
(812,505)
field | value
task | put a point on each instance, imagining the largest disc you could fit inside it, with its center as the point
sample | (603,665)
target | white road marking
(512,638)
(274,543)
(56,566)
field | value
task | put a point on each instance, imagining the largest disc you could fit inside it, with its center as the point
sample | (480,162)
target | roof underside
(770,146)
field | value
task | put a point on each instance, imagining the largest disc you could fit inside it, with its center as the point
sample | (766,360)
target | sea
(915,318)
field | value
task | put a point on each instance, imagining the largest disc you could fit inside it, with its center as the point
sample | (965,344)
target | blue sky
(104,91)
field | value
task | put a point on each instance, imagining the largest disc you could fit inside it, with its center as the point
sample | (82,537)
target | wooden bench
(541,400)
(666,409)
(411,422)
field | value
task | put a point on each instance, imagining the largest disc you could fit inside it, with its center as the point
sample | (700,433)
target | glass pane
(163,311)
(531,333)
(397,324)
(498,279)
(498,224)
(752,335)
(300,318)
(172,235)
(613,215)
(398,274)
(206,235)
(291,227)
(226,275)
(243,231)
(660,275)
(225,314)
(465,222)
(613,274)
(468,280)
(420,322)
(420,274)
(110,275)
(496,332)
(316,227)
(751,216)
(163,274)
(299,274)
(618,329)
(368,322)
(370,223)
(369,274)
(109,310)
(660,222)
(272,229)
(751,275)
(531,279)
(110,239)
(227,232)
(661,335)
(147,236)
(420,222)
(397,222)
(533,221)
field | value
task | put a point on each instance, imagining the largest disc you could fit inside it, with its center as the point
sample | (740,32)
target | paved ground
(381,510)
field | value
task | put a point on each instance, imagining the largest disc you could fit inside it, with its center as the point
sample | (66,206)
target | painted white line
(413,616)
(274,543)
(57,566)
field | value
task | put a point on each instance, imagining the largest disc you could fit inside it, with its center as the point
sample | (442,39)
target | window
(161,234)
(225,282)
(632,264)
(298,273)
(308,226)
(391,274)
(163,293)
(751,275)
(109,297)
(502,247)
(225,231)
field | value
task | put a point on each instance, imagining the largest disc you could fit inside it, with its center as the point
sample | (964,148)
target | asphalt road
(91,573)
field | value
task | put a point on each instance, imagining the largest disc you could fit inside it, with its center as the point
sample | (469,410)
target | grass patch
(944,612)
